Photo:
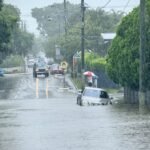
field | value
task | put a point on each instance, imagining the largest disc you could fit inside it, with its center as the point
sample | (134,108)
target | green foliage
(12,61)
(70,45)
(7,22)
(78,82)
(123,56)
(49,47)
(50,19)
(95,24)
(13,39)
(8,19)
(94,61)
(21,42)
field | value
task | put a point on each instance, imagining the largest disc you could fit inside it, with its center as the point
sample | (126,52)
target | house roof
(108,36)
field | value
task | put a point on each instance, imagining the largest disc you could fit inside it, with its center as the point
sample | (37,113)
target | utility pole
(82,33)
(142,54)
(65,17)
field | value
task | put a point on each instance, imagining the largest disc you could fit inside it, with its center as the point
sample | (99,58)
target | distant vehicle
(93,96)
(30,63)
(1,72)
(40,68)
(55,69)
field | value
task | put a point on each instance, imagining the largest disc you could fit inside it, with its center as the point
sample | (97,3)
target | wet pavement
(38,114)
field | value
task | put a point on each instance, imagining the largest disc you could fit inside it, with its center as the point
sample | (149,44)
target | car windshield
(41,64)
(91,93)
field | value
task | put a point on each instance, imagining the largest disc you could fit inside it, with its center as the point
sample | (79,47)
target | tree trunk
(147,97)
(130,96)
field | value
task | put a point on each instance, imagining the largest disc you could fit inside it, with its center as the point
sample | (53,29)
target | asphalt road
(38,114)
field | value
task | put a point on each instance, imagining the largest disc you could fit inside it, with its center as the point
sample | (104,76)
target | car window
(41,64)
(91,93)
(103,94)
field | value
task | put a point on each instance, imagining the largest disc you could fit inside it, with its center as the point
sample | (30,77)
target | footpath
(72,87)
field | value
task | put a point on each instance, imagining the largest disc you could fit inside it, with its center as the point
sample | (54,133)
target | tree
(9,16)
(21,42)
(123,58)
(124,51)
(95,24)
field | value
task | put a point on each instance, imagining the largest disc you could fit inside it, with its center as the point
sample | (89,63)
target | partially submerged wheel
(46,74)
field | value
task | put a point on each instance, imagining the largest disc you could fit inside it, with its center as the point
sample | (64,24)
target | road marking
(47,88)
(37,88)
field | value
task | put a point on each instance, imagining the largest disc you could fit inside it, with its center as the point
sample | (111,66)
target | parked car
(93,96)
(1,72)
(40,68)
(55,69)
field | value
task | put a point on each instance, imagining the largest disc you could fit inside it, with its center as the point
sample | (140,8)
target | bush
(12,61)
(94,61)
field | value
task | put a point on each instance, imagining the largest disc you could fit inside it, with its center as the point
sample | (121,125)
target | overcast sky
(26,5)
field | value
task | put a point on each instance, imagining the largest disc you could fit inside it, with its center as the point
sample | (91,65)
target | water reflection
(121,106)
(7,84)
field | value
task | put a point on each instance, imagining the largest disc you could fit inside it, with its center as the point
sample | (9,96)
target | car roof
(94,88)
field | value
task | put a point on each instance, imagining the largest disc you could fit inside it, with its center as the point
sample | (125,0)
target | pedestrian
(95,78)
(90,81)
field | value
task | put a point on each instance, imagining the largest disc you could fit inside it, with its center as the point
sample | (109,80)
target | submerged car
(93,96)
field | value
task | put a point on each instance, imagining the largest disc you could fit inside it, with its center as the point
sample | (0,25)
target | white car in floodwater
(93,96)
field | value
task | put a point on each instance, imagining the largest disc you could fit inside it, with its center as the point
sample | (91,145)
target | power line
(126,5)
(120,6)
(106,4)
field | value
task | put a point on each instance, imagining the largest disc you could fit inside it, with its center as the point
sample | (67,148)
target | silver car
(93,96)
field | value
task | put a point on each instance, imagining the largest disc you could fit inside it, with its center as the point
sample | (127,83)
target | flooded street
(36,114)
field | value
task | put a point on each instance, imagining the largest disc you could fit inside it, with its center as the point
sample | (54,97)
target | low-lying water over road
(36,114)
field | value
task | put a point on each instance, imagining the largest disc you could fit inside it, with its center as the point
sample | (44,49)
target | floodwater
(37,114)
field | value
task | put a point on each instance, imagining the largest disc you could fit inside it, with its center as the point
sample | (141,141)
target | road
(37,114)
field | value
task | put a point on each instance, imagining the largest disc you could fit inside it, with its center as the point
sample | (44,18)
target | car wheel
(35,75)
(110,102)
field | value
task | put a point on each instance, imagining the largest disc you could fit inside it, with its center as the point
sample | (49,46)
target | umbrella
(88,73)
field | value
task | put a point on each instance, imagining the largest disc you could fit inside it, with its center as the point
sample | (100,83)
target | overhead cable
(106,4)
(126,5)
